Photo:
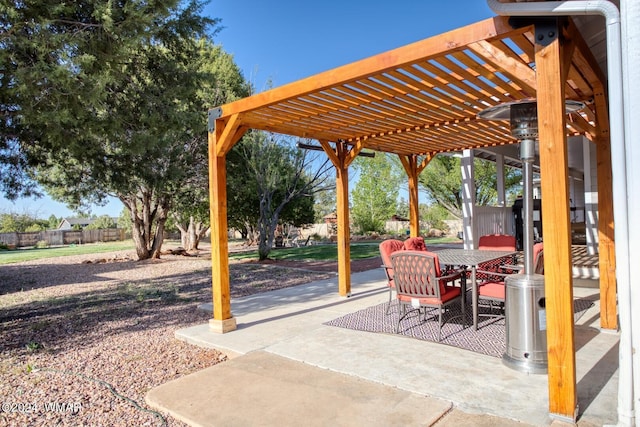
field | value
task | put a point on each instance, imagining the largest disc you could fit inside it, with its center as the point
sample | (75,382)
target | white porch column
(468,200)
(630,16)
(590,196)
(500,182)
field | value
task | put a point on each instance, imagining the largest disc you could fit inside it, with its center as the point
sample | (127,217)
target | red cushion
(492,290)
(415,244)
(538,258)
(497,242)
(388,247)
(450,292)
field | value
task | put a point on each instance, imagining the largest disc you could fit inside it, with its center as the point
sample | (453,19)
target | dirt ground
(83,338)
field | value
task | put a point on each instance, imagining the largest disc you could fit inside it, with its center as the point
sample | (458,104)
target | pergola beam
(601,136)
(405,55)
(526,76)
(231,133)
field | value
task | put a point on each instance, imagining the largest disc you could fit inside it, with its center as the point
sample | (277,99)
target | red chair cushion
(388,247)
(538,258)
(450,292)
(492,290)
(497,242)
(415,244)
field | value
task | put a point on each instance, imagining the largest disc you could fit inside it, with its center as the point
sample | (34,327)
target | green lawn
(19,255)
(327,252)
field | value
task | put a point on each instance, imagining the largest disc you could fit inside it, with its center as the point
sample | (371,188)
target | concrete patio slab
(261,389)
(285,328)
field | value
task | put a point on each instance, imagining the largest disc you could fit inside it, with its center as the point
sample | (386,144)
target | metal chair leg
(464,316)
(400,315)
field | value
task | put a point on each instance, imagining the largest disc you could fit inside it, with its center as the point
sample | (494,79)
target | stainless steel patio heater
(526,335)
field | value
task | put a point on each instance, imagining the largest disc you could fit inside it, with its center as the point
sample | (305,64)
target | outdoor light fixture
(526,335)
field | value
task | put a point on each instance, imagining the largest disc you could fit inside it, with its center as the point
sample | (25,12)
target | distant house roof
(68,223)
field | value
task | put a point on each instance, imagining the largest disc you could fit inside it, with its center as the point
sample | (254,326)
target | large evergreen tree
(106,98)
(223,83)
(61,66)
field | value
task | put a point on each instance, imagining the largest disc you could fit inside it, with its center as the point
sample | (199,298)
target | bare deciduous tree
(284,173)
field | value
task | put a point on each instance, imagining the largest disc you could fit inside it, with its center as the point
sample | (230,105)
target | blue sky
(286,40)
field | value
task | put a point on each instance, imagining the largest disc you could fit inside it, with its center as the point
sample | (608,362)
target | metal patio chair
(388,247)
(493,290)
(419,283)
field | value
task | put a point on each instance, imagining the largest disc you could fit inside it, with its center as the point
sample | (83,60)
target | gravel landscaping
(83,338)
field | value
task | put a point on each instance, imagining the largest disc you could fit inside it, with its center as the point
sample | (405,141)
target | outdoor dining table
(471,258)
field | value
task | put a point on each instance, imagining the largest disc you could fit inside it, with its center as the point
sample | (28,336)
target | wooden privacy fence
(62,237)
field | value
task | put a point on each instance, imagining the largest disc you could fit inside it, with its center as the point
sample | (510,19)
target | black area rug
(489,339)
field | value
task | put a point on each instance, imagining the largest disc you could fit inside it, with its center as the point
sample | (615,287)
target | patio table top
(470,257)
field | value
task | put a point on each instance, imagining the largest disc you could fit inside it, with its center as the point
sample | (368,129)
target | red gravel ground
(82,342)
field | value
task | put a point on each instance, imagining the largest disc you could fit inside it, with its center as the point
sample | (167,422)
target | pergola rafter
(423,99)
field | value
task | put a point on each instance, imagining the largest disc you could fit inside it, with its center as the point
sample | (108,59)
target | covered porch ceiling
(423,98)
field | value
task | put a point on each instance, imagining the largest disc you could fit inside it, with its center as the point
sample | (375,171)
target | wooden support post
(344,233)
(606,240)
(557,229)
(413,170)
(341,158)
(414,209)
(410,164)
(222,321)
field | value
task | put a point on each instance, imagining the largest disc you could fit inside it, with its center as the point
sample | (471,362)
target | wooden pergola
(423,99)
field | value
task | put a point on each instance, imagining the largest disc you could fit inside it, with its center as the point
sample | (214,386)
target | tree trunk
(139,238)
(145,212)
(201,231)
(187,237)
(267,226)
(191,235)
(251,234)
(184,236)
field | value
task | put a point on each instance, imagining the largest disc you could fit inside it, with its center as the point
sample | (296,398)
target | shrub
(34,227)
(42,244)
(4,246)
